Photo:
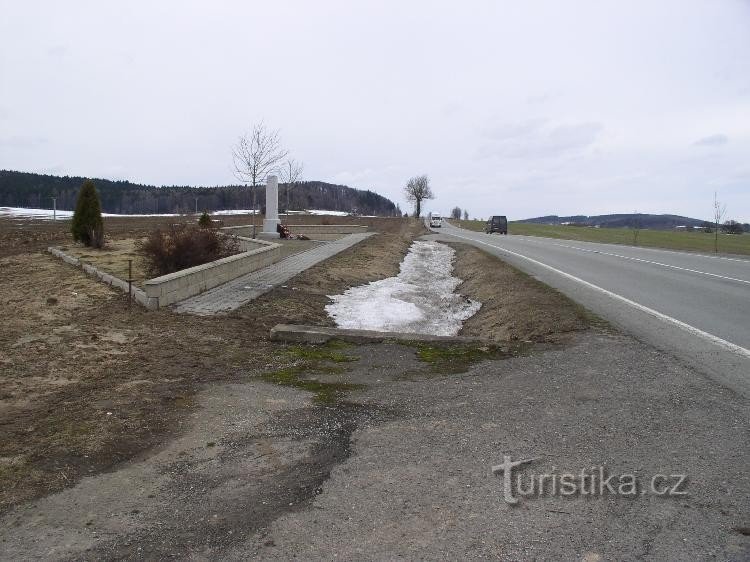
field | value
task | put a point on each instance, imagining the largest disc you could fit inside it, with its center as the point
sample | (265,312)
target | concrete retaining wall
(180,285)
(168,289)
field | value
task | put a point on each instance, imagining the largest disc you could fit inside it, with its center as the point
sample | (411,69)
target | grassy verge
(690,241)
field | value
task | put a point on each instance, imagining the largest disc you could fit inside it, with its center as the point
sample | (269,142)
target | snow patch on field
(419,300)
(47,214)
(21,213)
(330,213)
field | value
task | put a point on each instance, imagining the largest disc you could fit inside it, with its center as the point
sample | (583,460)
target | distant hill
(656,222)
(24,189)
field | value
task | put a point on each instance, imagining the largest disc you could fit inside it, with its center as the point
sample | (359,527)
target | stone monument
(272,208)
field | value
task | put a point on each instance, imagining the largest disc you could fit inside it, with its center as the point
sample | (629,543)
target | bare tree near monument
(255,155)
(720,210)
(418,189)
(290,173)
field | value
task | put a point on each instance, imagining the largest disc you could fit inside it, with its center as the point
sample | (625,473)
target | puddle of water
(420,299)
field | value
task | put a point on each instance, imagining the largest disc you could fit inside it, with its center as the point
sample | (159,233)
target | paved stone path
(234,294)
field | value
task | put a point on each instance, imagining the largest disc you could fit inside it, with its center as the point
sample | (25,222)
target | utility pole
(196,205)
(54,208)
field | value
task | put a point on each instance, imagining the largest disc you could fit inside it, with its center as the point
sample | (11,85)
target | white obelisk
(272,208)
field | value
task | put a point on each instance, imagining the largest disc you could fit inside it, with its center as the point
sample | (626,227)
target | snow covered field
(419,300)
(46,214)
(24,213)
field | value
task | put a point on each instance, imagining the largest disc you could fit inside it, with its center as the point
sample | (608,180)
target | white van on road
(436,221)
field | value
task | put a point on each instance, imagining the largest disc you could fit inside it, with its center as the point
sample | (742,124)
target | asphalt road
(694,306)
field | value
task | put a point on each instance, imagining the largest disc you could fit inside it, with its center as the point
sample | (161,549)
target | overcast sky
(516,108)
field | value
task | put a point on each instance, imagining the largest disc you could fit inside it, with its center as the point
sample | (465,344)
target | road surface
(694,306)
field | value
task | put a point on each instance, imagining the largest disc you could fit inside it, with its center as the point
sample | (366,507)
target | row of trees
(456,213)
(23,189)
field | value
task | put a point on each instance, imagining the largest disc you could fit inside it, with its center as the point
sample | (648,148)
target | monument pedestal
(272,208)
(269,228)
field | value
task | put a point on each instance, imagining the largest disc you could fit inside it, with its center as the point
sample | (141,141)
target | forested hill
(627,220)
(22,189)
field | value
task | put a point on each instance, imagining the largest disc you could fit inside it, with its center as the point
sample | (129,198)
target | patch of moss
(325,392)
(457,358)
(338,344)
(326,352)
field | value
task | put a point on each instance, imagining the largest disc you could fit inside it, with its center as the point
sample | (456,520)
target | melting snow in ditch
(419,300)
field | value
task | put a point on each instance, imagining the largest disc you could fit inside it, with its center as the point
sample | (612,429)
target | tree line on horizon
(31,190)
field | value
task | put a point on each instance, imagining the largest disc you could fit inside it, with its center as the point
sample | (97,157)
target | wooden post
(130,282)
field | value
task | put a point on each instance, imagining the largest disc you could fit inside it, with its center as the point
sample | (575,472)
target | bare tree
(456,213)
(254,156)
(417,189)
(720,210)
(290,172)
(466,215)
(636,226)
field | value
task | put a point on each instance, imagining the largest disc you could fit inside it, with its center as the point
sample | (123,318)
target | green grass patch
(309,360)
(669,239)
(457,358)
(327,352)
(325,392)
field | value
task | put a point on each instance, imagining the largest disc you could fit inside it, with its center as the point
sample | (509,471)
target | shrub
(205,220)
(181,246)
(87,225)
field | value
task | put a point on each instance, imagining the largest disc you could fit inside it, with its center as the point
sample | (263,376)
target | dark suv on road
(497,224)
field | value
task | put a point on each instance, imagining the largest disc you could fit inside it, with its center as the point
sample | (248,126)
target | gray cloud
(57,51)
(538,138)
(712,140)
(23,142)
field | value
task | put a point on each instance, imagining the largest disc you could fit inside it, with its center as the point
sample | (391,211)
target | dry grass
(113,258)
(515,307)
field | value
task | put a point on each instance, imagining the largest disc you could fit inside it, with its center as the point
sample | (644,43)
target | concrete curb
(321,334)
(139,295)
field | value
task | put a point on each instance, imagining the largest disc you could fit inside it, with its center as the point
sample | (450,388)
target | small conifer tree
(87,225)
(205,220)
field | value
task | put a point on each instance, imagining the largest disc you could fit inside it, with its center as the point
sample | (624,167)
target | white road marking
(648,261)
(729,346)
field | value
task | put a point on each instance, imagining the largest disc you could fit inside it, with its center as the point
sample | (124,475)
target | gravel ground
(402,468)
(420,486)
